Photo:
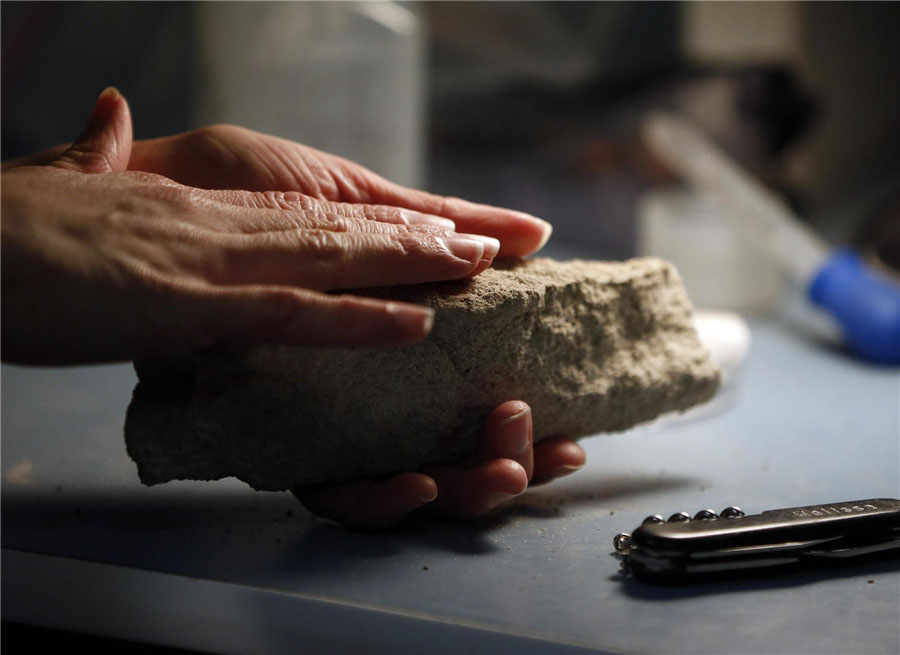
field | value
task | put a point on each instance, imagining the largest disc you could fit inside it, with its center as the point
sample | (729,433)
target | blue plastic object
(866,304)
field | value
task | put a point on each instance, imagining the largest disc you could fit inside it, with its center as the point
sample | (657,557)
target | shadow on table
(204,530)
(551,502)
(331,546)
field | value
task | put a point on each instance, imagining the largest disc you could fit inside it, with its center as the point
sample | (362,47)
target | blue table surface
(806,425)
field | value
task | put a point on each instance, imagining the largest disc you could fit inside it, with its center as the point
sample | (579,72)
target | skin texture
(114,250)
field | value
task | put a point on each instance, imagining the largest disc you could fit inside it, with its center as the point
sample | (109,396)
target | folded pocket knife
(684,548)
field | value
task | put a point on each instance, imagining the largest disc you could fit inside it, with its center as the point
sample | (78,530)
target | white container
(344,77)
(720,268)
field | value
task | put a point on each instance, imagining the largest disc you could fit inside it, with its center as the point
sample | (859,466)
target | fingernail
(419,501)
(491,245)
(103,105)
(548,230)
(415,218)
(565,470)
(471,250)
(412,319)
(515,433)
(499,498)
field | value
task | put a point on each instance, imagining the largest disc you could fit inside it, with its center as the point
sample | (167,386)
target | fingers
(504,467)
(387,213)
(319,211)
(105,144)
(508,461)
(367,503)
(328,260)
(469,493)
(223,157)
(501,473)
(556,457)
(205,315)
(508,435)
(519,233)
(290,239)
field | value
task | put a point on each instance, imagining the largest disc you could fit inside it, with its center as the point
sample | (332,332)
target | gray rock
(592,346)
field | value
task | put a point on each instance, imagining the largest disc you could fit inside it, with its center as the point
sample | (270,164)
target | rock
(592,346)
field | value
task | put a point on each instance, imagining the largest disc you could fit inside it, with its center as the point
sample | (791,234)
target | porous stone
(591,346)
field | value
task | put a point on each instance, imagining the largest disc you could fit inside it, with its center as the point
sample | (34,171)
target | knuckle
(210,139)
(268,199)
(378,227)
(286,200)
(444,205)
(370,212)
(212,133)
(429,230)
(201,139)
(87,161)
(320,218)
(392,215)
(342,217)
(382,214)
(339,224)
(324,246)
(306,202)
(419,245)
(346,304)
(281,307)
(153,181)
(407,245)
(321,213)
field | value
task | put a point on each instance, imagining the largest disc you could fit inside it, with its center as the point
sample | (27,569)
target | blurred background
(535,106)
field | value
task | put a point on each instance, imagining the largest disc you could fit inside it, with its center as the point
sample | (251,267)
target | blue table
(216,566)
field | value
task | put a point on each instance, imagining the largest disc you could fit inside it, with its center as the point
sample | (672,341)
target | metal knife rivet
(731,512)
(705,515)
(678,517)
(622,542)
(656,518)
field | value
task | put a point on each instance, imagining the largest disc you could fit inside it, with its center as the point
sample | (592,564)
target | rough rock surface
(592,346)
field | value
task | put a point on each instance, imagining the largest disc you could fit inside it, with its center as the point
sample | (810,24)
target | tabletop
(218,567)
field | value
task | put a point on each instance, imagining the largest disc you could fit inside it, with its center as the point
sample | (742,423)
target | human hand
(230,157)
(105,264)
(507,462)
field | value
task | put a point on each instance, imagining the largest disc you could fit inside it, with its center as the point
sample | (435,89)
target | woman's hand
(507,463)
(113,250)
(230,157)
(105,264)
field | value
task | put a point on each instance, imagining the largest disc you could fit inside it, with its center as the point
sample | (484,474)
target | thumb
(105,144)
